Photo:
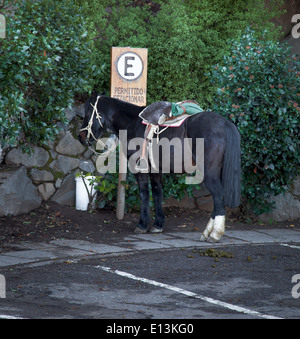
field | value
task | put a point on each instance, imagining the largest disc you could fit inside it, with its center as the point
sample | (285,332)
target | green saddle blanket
(178,108)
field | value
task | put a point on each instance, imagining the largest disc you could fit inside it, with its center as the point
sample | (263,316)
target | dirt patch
(52,221)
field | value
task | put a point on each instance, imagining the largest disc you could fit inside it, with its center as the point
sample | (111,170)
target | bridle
(89,126)
(90,133)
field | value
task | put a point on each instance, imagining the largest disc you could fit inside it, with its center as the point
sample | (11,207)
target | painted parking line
(9,317)
(291,246)
(188,293)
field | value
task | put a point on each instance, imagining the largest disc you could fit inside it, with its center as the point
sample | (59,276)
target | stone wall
(287,205)
(47,173)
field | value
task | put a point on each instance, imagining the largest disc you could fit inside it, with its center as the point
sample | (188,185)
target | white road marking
(189,294)
(9,317)
(291,246)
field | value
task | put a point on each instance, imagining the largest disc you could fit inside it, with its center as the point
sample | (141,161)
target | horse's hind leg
(216,225)
(157,194)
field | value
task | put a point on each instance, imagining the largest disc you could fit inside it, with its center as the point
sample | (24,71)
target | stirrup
(142,165)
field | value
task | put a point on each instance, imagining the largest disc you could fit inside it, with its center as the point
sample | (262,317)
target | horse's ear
(94,94)
(91,99)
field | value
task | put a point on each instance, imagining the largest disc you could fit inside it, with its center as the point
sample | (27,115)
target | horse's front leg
(143,182)
(157,194)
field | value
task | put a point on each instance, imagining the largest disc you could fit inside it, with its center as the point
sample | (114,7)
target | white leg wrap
(218,229)
(208,230)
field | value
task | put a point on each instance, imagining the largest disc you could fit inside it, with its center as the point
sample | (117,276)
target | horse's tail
(231,173)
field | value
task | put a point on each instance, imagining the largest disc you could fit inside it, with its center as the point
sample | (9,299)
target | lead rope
(150,130)
(150,145)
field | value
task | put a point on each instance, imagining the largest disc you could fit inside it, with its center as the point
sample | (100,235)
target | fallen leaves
(68,262)
(213,253)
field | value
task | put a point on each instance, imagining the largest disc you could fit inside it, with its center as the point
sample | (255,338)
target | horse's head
(93,123)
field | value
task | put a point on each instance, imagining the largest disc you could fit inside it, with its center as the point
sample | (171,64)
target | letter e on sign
(130,66)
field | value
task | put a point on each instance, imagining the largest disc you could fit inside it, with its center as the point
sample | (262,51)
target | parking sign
(129,74)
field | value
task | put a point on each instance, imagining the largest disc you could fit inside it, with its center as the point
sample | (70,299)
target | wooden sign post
(128,83)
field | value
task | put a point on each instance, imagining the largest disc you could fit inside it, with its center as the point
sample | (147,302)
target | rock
(18,194)
(286,207)
(88,153)
(75,110)
(65,164)
(39,176)
(46,190)
(53,154)
(58,183)
(87,166)
(66,193)
(70,113)
(296,187)
(54,166)
(68,145)
(80,111)
(37,158)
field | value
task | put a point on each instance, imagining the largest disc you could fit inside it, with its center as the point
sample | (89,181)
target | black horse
(222,170)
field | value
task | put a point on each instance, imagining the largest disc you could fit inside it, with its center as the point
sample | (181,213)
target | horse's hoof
(156,230)
(212,240)
(139,230)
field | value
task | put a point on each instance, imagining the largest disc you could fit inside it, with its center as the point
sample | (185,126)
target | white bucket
(82,197)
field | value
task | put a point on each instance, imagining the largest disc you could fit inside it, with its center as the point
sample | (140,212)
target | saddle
(162,114)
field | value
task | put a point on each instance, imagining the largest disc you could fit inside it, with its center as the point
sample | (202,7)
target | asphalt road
(162,277)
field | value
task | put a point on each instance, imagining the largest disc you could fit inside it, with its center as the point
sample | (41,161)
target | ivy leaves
(44,61)
(258,90)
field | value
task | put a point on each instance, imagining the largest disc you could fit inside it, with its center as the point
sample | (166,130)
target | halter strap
(89,126)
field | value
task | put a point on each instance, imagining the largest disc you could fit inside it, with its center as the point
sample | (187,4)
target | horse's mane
(122,106)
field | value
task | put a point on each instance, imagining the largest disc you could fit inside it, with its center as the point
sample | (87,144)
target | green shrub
(259,90)
(43,62)
(184,38)
(187,38)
